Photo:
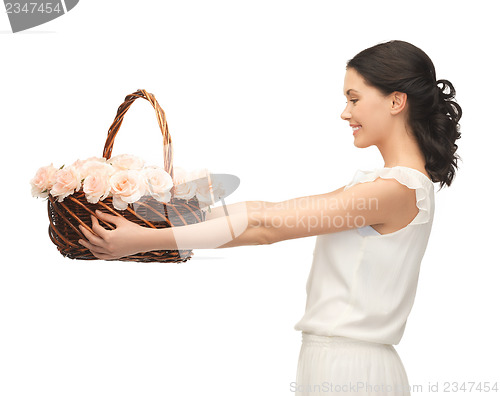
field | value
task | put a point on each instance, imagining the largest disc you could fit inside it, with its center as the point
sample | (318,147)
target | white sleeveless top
(362,284)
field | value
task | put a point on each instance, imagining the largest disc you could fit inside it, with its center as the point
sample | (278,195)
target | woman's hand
(126,239)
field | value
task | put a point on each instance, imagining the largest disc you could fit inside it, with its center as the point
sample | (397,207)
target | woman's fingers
(109,217)
(93,248)
(97,228)
(110,244)
(95,240)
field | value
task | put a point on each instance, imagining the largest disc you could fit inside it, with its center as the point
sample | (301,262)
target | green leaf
(61,167)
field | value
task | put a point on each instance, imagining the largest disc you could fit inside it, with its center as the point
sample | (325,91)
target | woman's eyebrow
(348,92)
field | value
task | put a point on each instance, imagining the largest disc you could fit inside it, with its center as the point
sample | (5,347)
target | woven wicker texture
(75,210)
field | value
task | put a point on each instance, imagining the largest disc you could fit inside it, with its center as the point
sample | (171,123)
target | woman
(371,233)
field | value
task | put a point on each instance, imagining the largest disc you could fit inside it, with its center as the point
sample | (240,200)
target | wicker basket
(75,210)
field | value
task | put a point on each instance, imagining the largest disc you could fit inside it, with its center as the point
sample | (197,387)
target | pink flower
(127,186)
(209,191)
(96,187)
(67,181)
(78,163)
(93,167)
(158,183)
(185,187)
(204,186)
(126,162)
(43,181)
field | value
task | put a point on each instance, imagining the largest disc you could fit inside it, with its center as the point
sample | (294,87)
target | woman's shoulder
(410,177)
(400,192)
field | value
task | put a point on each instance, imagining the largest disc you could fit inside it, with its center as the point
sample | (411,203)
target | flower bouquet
(124,178)
(124,186)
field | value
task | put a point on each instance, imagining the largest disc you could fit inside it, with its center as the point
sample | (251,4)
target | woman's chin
(359,143)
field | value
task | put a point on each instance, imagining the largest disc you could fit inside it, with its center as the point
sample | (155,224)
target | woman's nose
(345,114)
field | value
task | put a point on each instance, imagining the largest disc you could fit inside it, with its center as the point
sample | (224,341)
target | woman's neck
(402,149)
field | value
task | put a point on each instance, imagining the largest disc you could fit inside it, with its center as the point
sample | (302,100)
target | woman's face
(367,111)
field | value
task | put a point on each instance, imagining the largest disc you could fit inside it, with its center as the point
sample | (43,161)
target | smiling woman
(362,285)
(372,114)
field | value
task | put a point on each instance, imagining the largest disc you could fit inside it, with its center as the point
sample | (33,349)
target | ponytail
(437,137)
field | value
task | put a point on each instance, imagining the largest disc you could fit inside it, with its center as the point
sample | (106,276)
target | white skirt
(345,366)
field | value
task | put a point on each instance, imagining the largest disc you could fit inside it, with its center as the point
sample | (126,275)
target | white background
(252,88)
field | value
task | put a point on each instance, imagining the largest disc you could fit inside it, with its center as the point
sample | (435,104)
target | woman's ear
(398,100)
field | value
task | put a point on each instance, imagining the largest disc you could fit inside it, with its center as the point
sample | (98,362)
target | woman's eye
(354,100)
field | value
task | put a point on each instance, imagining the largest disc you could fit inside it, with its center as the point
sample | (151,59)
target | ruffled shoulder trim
(409,177)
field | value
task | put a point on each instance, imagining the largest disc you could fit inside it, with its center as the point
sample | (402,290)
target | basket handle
(160,115)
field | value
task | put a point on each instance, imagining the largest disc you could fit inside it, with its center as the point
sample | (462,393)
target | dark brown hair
(433,114)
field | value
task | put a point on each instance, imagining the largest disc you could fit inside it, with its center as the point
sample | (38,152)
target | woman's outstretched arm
(237,228)
(261,223)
